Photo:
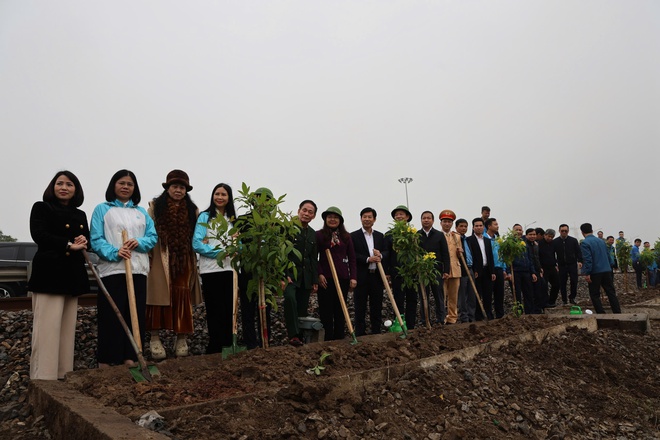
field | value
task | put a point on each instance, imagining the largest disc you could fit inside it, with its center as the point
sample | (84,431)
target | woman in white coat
(217,281)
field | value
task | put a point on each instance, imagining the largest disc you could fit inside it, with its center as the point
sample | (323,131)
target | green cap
(264,190)
(333,210)
(403,208)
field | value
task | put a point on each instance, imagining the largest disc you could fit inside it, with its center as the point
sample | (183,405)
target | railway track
(25,303)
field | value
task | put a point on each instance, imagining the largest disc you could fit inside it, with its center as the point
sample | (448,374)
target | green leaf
(265,245)
(323,357)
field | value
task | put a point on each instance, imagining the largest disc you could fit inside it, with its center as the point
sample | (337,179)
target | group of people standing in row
(163,240)
(550,262)
(163,266)
(539,274)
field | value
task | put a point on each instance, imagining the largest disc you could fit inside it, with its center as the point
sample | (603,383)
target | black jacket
(479,266)
(568,251)
(362,252)
(436,242)
(533,247)
(547,254)
(56,269)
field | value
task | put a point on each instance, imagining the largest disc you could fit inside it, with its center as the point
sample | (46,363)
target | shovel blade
(231,350)
(140,375)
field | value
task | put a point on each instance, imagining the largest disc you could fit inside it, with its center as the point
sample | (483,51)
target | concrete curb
(73,416)
(637,322)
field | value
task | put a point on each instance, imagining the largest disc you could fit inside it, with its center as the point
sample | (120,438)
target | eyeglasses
(563,230)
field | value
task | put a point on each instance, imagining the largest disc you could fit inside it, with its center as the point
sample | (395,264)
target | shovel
(234,348)
(391,297)
(474,287)
(341,297)
(143,372)
(130,288)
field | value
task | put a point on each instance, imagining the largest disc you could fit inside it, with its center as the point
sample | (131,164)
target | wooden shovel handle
(474,287)
(234,325)
(138,352)
(339,293)
(389,293)
(131,295)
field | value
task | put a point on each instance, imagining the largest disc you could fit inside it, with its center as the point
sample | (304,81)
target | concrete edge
(636,322)
(73,416)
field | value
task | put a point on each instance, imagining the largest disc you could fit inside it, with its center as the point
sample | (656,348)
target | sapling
(318,369)
(623,250)
(260,243)
(415,266)
(511,247)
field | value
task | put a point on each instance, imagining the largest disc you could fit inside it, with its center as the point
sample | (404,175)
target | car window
(29,252)
(8,252)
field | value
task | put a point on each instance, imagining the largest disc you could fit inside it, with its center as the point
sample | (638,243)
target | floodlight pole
(406,181)
(529,224)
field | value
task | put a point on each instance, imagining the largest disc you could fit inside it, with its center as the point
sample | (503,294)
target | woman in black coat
(59,275)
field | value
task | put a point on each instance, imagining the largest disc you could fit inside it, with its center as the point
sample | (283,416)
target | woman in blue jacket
(217,281)
(121,212)
(59,276)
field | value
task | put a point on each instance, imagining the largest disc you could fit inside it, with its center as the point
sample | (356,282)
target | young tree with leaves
(416,267)
(260,244)
(623,257)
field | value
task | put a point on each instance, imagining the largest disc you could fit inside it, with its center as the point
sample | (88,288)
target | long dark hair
(78,197)
(327,232)
(160,206)
(110,194)
(230,211)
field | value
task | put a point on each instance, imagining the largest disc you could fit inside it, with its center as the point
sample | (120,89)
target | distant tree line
(4,238)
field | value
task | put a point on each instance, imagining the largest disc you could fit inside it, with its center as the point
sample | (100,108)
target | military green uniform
(296,294)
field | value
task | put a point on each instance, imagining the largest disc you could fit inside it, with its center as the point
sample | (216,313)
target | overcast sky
(547,111)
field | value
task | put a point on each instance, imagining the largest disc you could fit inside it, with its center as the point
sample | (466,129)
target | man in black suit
(482,265)
(369,248)
(569,260)
(548,260)
(433,240)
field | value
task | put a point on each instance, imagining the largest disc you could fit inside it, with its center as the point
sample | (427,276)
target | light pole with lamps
(406,181)
(528,224)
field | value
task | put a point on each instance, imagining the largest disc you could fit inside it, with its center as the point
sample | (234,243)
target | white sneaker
(157,349)
(181,348)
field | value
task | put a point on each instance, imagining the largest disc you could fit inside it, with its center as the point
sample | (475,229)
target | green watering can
(575,310)
(396,327)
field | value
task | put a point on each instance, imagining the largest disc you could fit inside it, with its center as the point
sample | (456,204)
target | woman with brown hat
(173,283)
(334,236)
